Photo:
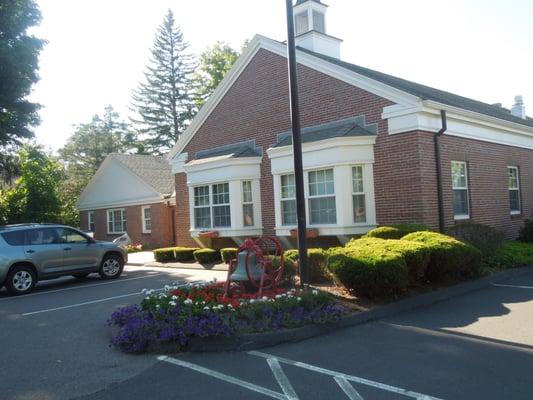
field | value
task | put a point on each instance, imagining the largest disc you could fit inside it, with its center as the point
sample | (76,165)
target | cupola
(310,28)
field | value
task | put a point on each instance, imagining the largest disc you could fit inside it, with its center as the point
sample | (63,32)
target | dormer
(310,28)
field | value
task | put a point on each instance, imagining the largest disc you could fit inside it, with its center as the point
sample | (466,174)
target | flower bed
(134,248)
(181,313)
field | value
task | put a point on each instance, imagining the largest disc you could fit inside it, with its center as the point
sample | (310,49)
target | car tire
(20,280)
(111,267)
(81,275)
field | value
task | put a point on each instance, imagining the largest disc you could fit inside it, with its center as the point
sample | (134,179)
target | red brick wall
(161,235)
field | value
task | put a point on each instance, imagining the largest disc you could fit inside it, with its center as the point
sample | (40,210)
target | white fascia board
(119,204)
(318,64)
(231,232)
(223,170)
(178,163)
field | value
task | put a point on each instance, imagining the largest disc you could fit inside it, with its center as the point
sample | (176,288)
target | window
(302,24)
(15,238)
(90,221)
(43,236)
(116,221)
(461,207)
(288,200)
(70,236)
(318,22)
(358,195)
(215,213)
(247,204)
(147,219)
(322,207)
(514,190)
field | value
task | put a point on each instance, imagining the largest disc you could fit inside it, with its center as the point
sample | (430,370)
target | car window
(15,238)
(42,236)
(71,236)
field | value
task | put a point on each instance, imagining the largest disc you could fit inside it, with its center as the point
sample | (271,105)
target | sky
(97,49)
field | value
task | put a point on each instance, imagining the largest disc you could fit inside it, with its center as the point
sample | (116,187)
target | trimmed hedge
(174,254)
(450,258)
(228,254)
(206,256)
(396,231)
(369,270)
(483,237)
(318,263)
(512,254)
(289,268)
(416,255)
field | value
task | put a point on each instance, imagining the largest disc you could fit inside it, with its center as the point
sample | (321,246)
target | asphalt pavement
(476,346)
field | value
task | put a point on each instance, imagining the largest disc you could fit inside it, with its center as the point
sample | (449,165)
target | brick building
(131,194)
(371,146)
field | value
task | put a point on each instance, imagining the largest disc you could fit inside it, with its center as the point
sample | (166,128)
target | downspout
(440,199)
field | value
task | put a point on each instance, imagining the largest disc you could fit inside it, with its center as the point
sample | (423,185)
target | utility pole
(297,147)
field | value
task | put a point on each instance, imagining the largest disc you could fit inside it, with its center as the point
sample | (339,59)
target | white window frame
(124,221)
(517,189)
(287,199)
(144,219)
(212,206)
(247,201)
(321,196)
(359,193)
(464,188)
(91,221)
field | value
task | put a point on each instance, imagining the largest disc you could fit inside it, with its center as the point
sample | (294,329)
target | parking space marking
(84,303)
(282,379)
(223,377)
(363,381)
(347,388)
(512,286)
(78,287)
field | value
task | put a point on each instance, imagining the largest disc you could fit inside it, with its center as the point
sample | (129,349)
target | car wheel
(21,280)
(111,267)
(81,275)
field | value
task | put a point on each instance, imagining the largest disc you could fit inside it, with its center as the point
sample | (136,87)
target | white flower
(252,300)
(188,301)
(299,298)
(279,296)
(203,301)
(172,303)
(264,298)
(174,297)
(206,308)
(315,292)
(157,306)
(230,306)
(167,287)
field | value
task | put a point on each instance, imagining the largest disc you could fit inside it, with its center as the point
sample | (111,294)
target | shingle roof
(241,149)
(354,126)
(428,93)
(154,170)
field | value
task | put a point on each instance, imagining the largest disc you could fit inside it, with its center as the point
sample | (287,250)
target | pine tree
(164,103)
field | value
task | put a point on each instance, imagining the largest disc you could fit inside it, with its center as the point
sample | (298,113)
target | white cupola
(310,28)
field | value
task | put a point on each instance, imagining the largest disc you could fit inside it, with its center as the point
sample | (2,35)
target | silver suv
(34,252)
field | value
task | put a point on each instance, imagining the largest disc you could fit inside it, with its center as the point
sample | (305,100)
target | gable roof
(153,170)
(427,92)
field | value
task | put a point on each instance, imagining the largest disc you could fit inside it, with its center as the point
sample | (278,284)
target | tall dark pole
(297,147)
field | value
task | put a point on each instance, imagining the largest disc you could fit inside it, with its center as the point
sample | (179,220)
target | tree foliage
(215,62)
(164,103)
(37,196)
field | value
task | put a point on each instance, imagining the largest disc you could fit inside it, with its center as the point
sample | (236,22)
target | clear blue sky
(97,49)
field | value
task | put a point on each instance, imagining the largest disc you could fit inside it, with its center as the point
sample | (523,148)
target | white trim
(465,188)
(122,204)
(91,221)
(517,189)
(143,219)
(124,218)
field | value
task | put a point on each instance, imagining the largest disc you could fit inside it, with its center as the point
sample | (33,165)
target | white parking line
(78,287)
(347,388)
(512,286)
(224,377)
(84,303)
(367,382)
(282,379)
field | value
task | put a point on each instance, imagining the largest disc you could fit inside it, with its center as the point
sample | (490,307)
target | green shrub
(526,232)
(483,237)
(369,270)
(317,262)
(289,268)
(228,254)
(416,255)
(206,256)
(511,255)
(450,258)
(396,231)
(174,254)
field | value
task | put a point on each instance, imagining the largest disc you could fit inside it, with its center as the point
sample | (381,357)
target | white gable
(115,185)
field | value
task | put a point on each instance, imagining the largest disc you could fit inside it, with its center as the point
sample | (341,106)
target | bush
(483,237)
(416,255)
(511,255)
(396,231)
(228,254)
(369,270)
(526,232)
(174,254)
(206,256)
(450,258)
(317,262)
(289,268)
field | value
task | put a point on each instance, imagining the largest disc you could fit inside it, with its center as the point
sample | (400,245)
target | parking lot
(477,346)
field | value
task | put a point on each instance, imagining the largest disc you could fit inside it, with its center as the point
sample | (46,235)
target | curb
(256,341)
